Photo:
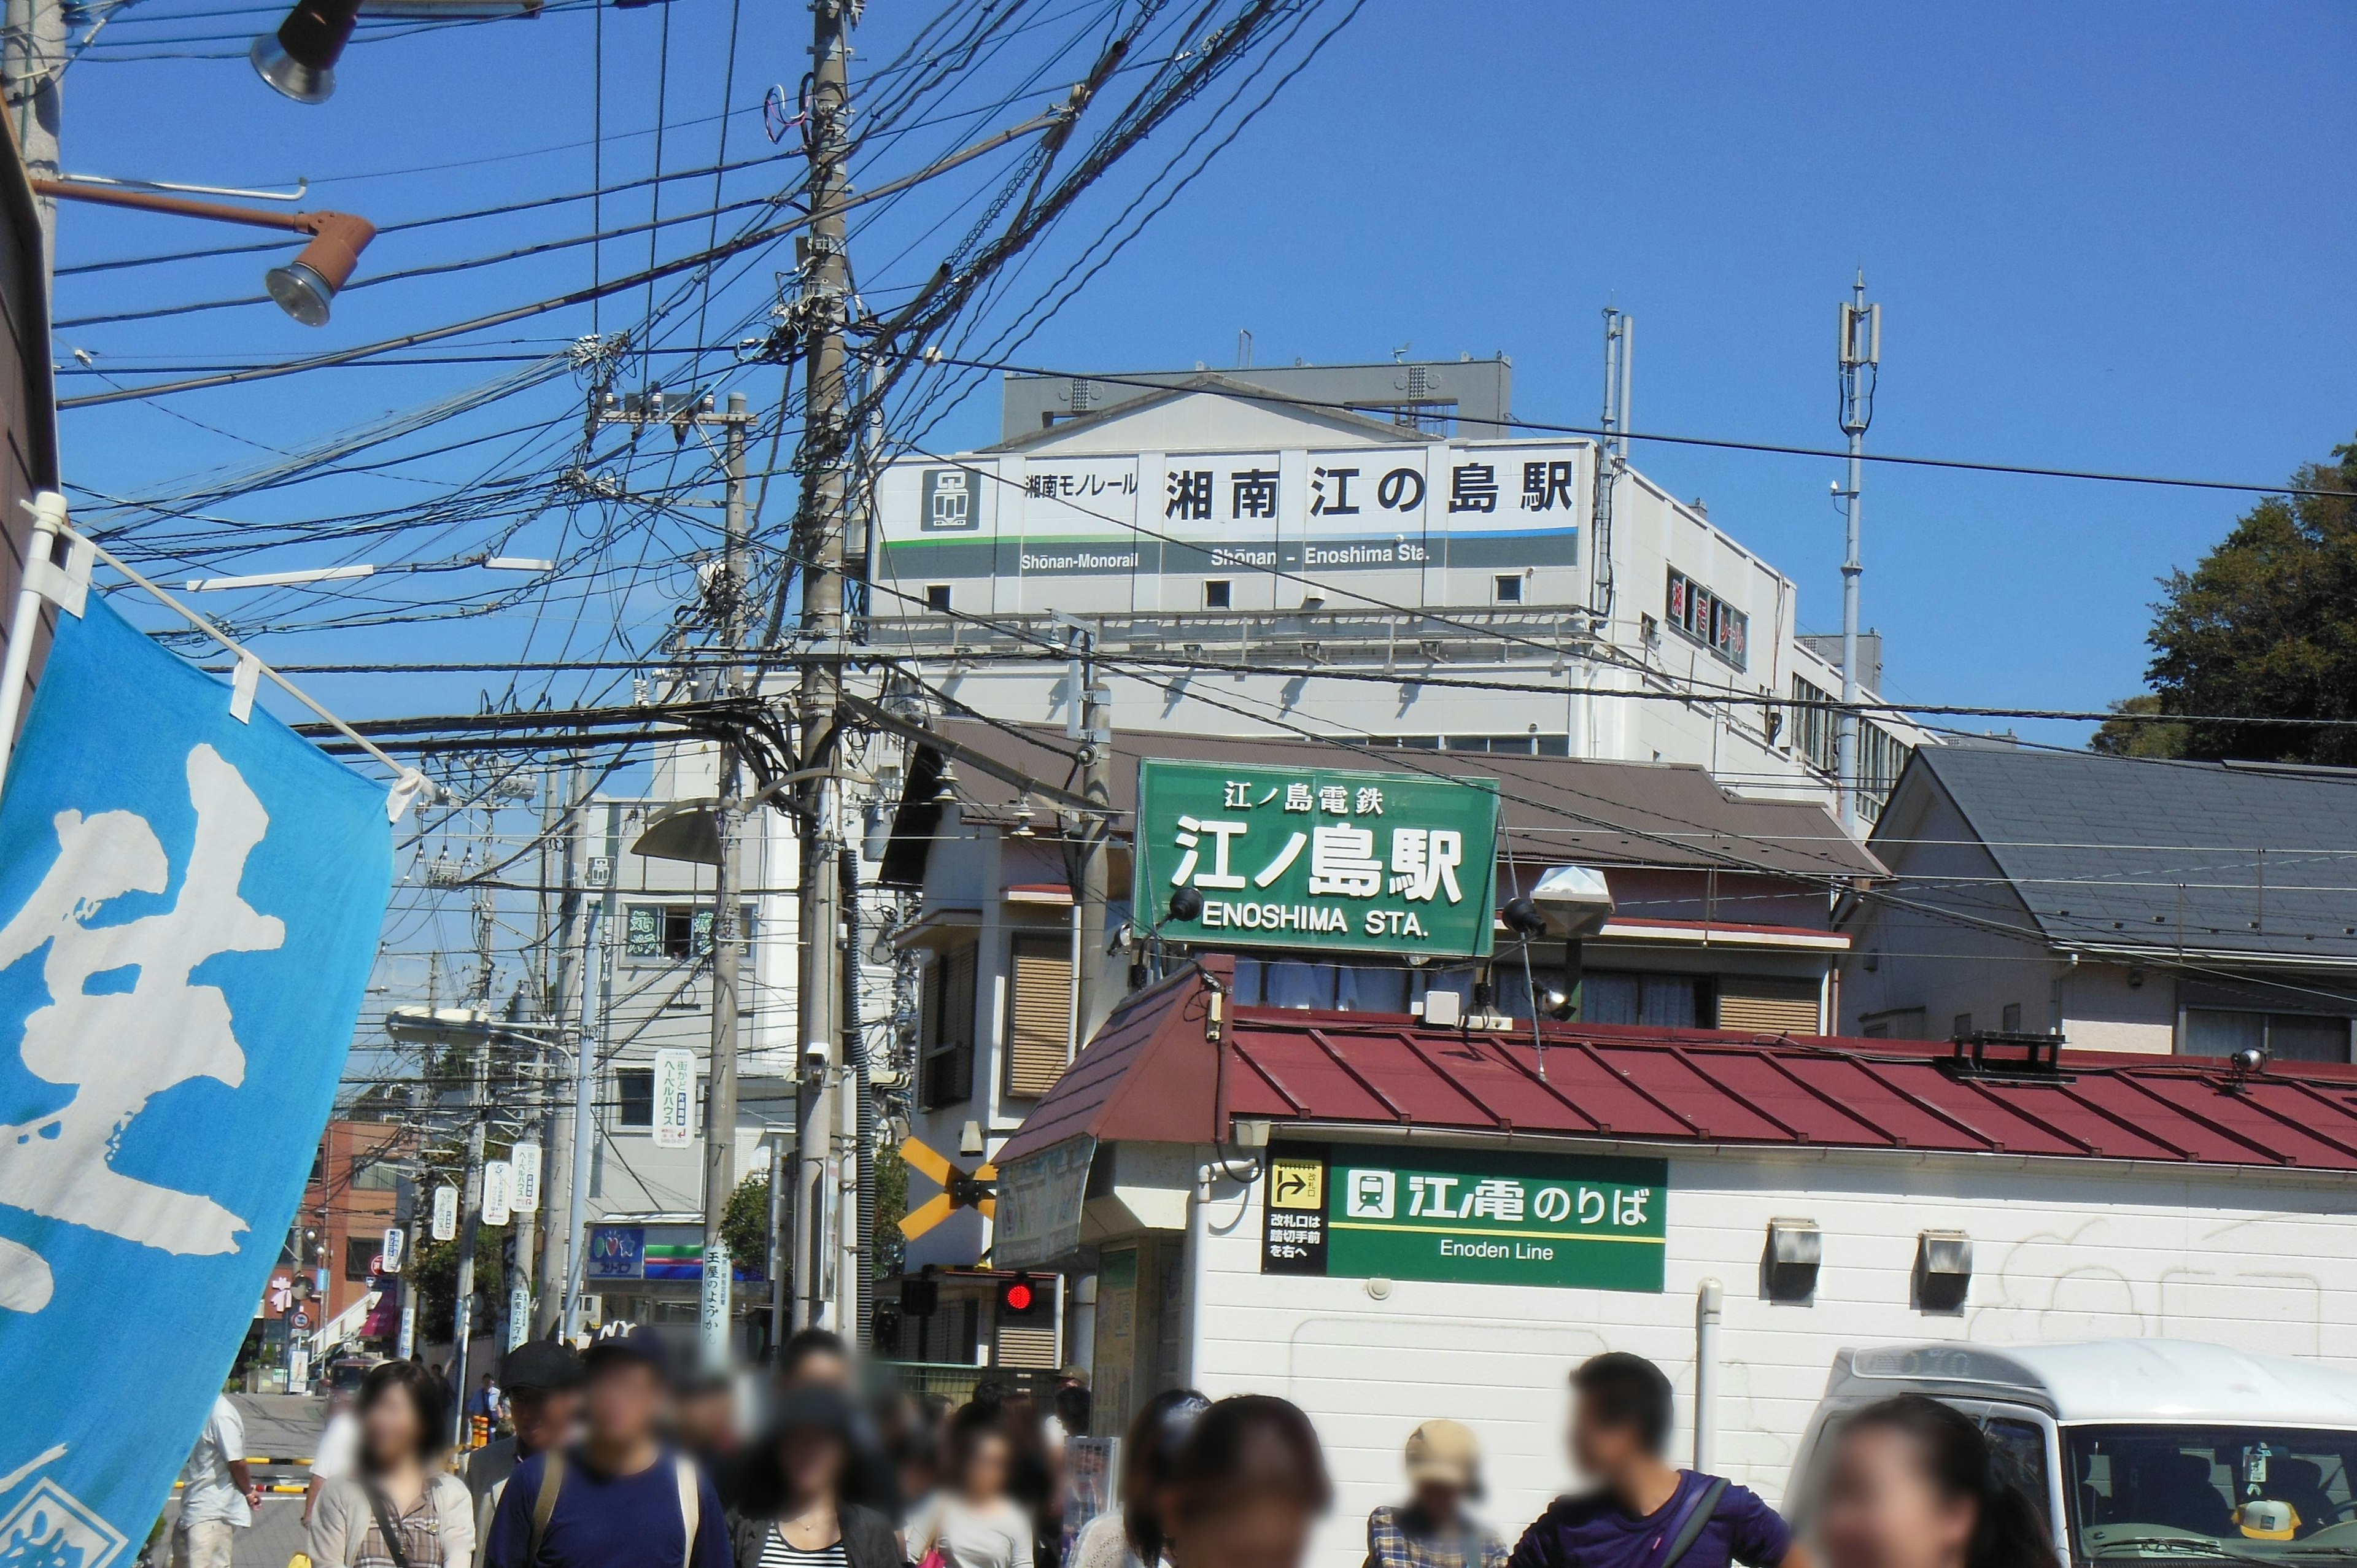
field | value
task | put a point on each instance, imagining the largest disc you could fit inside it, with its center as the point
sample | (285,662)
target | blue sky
(2104,236)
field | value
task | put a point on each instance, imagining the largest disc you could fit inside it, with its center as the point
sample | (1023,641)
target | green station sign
(1359,1212)
(1313,858)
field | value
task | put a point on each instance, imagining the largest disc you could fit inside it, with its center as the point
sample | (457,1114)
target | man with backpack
(1646,1512)
(621,1498)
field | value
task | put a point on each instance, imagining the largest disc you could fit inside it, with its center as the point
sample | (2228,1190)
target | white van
(2145,1450)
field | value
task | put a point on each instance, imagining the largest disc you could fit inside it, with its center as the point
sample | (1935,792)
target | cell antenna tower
(1612,455)
(1861,354)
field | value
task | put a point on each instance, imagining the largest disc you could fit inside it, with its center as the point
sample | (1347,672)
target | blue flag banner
(189,905)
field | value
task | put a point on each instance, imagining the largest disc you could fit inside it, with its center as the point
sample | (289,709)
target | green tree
(433,1274)
(745,1223)
(2132,736)
(2265,628)
(891,1203)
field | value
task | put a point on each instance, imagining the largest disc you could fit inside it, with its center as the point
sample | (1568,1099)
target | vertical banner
(525,1157)
(498,1192)
(674,1099)
(446,1214)
(189,904)
(397,1248)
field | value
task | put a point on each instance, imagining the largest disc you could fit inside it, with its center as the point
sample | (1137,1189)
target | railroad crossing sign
(961,1189)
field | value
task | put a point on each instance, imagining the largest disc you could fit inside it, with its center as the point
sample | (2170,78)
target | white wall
(2060,1251)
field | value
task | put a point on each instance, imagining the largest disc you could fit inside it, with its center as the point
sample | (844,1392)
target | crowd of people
(617,1460)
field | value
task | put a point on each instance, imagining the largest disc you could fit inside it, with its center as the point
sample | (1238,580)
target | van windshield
(2233,1493)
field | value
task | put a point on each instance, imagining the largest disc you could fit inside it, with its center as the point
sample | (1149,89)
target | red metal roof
(1150,1074)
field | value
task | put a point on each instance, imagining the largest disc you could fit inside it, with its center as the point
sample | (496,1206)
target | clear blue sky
(2106,236)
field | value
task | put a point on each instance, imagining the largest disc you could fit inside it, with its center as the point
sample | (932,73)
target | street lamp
(299,59)
(302,287)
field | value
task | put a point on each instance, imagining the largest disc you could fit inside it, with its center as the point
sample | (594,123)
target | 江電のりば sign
(1303,857)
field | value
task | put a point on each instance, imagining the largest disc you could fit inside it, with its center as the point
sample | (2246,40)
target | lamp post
(302,287)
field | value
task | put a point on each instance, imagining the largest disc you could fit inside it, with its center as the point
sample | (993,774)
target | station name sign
(1359,1212)
(1316,859)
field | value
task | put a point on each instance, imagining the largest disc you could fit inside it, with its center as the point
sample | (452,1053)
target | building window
(2010,1021)
(1963,1028)
(360,1252)
(2286,1036)
(1703,616)
(1816,731)
(937,597)
(1038,1015)
(1217,594)
(1660,1001)
(946,1068)
(666,931)
(634,1088)
(375,1173)
(1510,587)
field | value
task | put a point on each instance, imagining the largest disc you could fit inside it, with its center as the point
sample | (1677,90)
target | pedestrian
(704,1422)
(1033,1474)
(1646,1512)
(336,1453)
(398,1509)
(970,1522)
(1068,1415)
(621,1497)
(1247,1486)
(1914,1483)
(483,1404)
(1432,1530)
(543,1382)
(815,1355)
(217,1494)
(1130,1534)
(793,1507)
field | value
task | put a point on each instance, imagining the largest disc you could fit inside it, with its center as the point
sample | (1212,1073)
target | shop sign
(1040,1202)
(616,1251)
(1356,1212)
(1313,858)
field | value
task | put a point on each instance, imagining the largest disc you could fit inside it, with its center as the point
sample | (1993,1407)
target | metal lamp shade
(299,59)
(304,286)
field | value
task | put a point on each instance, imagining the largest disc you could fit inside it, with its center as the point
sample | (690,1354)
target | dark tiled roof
(2218,857)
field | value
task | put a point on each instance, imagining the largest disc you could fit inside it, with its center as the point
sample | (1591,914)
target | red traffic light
(1020,1296)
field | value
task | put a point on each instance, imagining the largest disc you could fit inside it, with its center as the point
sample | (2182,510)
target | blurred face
(707,1420)
(811,1462)
(985,1467)
(392,1430)
(824,1367)
(1263,1531)
(1882,1510)
(545,1421)
(624,1402)
(1438,1499)
(1603,1448)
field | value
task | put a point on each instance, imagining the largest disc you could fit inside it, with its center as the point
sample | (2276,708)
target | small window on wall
(1508,585)
(937,597)
(634,1094)
(1217,594)
(2286,1036)
(666,931)
(360,1252)
(1657,1000)
(946,1031)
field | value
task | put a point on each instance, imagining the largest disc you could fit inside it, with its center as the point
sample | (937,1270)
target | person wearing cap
(543,1380)
(621,1497)
(1432,1530)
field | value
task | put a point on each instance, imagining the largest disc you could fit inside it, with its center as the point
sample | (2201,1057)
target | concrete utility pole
(560,829)
(470,1220)
(1092,706)
(720,1082)
(585,1089)
(1861,354)
(819,310)
(34,58)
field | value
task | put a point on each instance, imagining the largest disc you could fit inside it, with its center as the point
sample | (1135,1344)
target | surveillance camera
(2250,1059)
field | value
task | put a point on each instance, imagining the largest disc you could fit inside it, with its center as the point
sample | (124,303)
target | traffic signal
(920,1297)
(1026,1295)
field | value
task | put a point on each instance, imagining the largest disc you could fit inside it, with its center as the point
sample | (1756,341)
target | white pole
(48,514)
(1708,1299)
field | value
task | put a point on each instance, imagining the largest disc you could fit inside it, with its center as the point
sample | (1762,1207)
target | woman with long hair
(1247,1486)
(399,1509)
(793,1489)
(1915,1484)
(971,1522)
(1130,1535)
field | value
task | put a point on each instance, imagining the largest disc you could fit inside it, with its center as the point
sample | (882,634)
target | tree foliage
(2265,628)
(2133,736)
(745,1223)
(891,1204)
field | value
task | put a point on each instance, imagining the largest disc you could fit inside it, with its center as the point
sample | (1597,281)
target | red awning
(1152,1075)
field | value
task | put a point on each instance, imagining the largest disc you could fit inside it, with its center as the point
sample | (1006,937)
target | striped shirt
(776,1552)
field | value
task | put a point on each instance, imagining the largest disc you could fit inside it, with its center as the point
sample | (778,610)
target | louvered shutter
(1040,1024)
(1763,1004)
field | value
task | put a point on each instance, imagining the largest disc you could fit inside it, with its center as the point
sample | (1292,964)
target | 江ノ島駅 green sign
(1359,1212)
(1304,857)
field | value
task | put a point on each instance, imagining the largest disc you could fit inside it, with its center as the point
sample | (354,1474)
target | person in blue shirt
(621,1498)
(1646,1512)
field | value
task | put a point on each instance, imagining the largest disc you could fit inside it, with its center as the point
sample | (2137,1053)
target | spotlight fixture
(1186,904)
(299,59)
(302,287)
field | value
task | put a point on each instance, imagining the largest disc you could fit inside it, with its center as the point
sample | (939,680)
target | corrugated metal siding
(1041,1023)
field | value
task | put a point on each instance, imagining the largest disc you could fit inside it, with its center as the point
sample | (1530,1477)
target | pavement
(278,1426)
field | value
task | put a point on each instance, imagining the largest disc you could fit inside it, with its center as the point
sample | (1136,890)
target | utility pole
(585,1088)
(1861,354)
(720,1082)
(1090,706)
(524,1219)
(818,312)
(560,829)
(471,1219)
(34,58)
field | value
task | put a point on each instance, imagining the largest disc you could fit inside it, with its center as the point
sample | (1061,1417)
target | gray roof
(1555,810)
(2110,851)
